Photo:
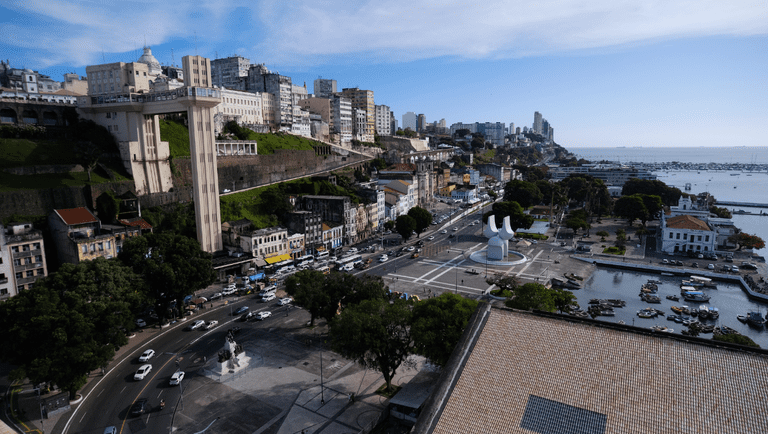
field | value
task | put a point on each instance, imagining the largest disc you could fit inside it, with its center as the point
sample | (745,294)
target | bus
(322,255)
(347,262)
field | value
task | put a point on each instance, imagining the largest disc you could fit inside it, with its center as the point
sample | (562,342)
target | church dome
(149,59)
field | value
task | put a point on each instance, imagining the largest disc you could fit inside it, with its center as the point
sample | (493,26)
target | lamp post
(322,391)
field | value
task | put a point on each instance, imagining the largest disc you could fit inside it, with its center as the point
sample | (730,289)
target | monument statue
(498,243)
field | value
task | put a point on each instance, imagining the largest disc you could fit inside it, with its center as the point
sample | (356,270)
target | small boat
(649,287)
(706,281)
(673,298)
(671,317)
(648,298)
(695,296)
(755,319)
(714,313)
(742,318)
(691,283)
(658,328)
(686,288)
(667,274)
(655,282)
(647,313)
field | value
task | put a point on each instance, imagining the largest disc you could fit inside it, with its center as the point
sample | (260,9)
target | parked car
(748,266)
(710,266)
(263,315)
(146,356)
(383,258)
(140,323)
(211,324)
(284,301)
(228,291)
(216,295)
(444,232)
(241,309)
(143,371)
(734,269)
(196,325)
(139,407)
(176,378)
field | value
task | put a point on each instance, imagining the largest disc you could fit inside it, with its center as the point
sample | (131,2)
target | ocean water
(735,154)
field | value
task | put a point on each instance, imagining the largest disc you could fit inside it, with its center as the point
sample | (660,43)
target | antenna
(103,58)
(173,58)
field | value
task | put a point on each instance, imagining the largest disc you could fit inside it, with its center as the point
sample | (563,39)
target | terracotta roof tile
(76,216)
(687,222)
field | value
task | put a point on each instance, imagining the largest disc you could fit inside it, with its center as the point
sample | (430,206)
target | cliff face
(238,172)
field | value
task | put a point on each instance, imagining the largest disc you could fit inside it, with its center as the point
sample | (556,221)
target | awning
(260,263)
(278,258)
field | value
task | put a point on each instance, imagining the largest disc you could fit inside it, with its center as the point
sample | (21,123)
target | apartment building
(260,79)
(78,236)
(336,209)
(245,108)
(341,119)
(22,258)
(363,100)
(230,72)
(268,246)
(383,120)
(324,87)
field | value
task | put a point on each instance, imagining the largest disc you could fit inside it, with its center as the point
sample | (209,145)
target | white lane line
(123,389)
(100,392)
(81,419)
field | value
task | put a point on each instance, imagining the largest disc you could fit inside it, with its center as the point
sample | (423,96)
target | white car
(284,301)
(455,229)
(176,378)
(384,259)
(146,356)
(142,372)
(444,232)
(263,315)
(215,296)
(431,237)
(710,266)
(353,250)
(197,324)
(228,291)
(268,298)
(411,248)
(211,324)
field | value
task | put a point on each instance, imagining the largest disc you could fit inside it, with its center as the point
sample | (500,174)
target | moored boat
(755,319)
(695,296)
(673,298)
(658,328)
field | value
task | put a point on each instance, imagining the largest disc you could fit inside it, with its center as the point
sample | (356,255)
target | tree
(421,217)
(576,219)
(523,192)
(478,143)
(517,218)
(70,323)
(748,241)
(173,266)
(533,296)
(565,301)
(461,132)
(375,333)
(602,235)
(736,339)
(631,208)
(88,155)
(621,238)
(653,205)
(720,212)
(438,324)
(405,225)
(669,195)
(306,288)
(389,225)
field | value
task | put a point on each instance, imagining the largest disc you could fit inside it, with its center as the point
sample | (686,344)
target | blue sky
(603,72)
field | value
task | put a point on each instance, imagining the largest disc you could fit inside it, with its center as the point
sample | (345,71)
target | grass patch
(269,143)
(486,157)
(177,136)
(613,250)
(533,236)
(11,182)
(24,152)
(388,393)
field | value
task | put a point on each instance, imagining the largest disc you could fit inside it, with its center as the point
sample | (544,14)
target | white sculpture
(498,243)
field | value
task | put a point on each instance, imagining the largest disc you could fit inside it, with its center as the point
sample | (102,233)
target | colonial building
(308,223)
(685,233)
(336,209)
(267,246)
(78,236)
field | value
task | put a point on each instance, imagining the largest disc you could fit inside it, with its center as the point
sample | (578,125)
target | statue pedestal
(232,365)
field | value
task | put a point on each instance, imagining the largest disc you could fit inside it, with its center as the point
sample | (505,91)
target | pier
(748,204)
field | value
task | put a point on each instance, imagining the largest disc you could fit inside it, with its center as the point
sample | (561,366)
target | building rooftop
(520,372)
(687,222)
(136,221)
(76,216)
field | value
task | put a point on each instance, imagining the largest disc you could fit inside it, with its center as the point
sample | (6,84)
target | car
(455,229)
(143,371)
(444,232)
(284,301)
(411,248)
(473,223)
(197,324)
(110,430)
(748,266)
(710,266)
(211,324)
(140,323)
(139,407)
(241,309)
(352,250)
(216,295)
(452,236)
(228,291)
(734,269)
(268,298)
(729,259)
(176,378)
(146,356)
(263,315)
(226,190)
(415,255)
(700,256)
(431,237)
(247,316)
(384,259)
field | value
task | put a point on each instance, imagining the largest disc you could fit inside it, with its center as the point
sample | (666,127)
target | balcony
(3,280)
(28,253)
(30,266)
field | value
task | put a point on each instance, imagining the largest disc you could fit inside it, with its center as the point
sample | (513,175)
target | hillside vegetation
(267,143)
(177,135)
(31,152)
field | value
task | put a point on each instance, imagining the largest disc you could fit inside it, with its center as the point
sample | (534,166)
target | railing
(166,95)
(28,266)
(27,253)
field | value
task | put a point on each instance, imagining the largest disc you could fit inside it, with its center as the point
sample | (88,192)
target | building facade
(383,120)
(336,209)
(22,258)
(230,72)
(363,100)
(324,87)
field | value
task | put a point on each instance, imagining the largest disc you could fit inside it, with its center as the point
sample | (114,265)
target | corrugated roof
(543,366)
(140,222)
(687,222)
(76,216)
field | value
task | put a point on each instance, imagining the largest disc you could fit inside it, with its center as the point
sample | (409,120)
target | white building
(245,108)
(685,233)
(383,120)
(266,243)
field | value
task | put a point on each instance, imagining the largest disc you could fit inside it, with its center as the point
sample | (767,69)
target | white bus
(346,262)
(322,255)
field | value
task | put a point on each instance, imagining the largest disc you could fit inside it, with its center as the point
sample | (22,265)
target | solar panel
(545,416)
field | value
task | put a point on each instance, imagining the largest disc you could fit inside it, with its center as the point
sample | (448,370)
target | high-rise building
(231,72)
(537,122)
(392,123)
(260,79)
(409,120)
(363,100)
(341,113)
(544,129)
(512,128)
(421,123)
(324,87)
(383,120)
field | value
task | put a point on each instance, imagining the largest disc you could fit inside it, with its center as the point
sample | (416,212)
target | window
(84,248)
(109,115)
(17,262)
(19,275)
(36,246)
(39,258)
(20,288)
(678,235)
(108,245)
(15,249)
(31,273)
(101,247)
(699,237)
(707,238)
(685,237)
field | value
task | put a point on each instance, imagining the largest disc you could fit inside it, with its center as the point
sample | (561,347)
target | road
(109,401)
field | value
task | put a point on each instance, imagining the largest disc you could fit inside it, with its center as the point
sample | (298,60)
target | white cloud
(302,31)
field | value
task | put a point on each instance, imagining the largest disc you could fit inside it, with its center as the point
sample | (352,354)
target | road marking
(102,390)
(123,389)
(81,419)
